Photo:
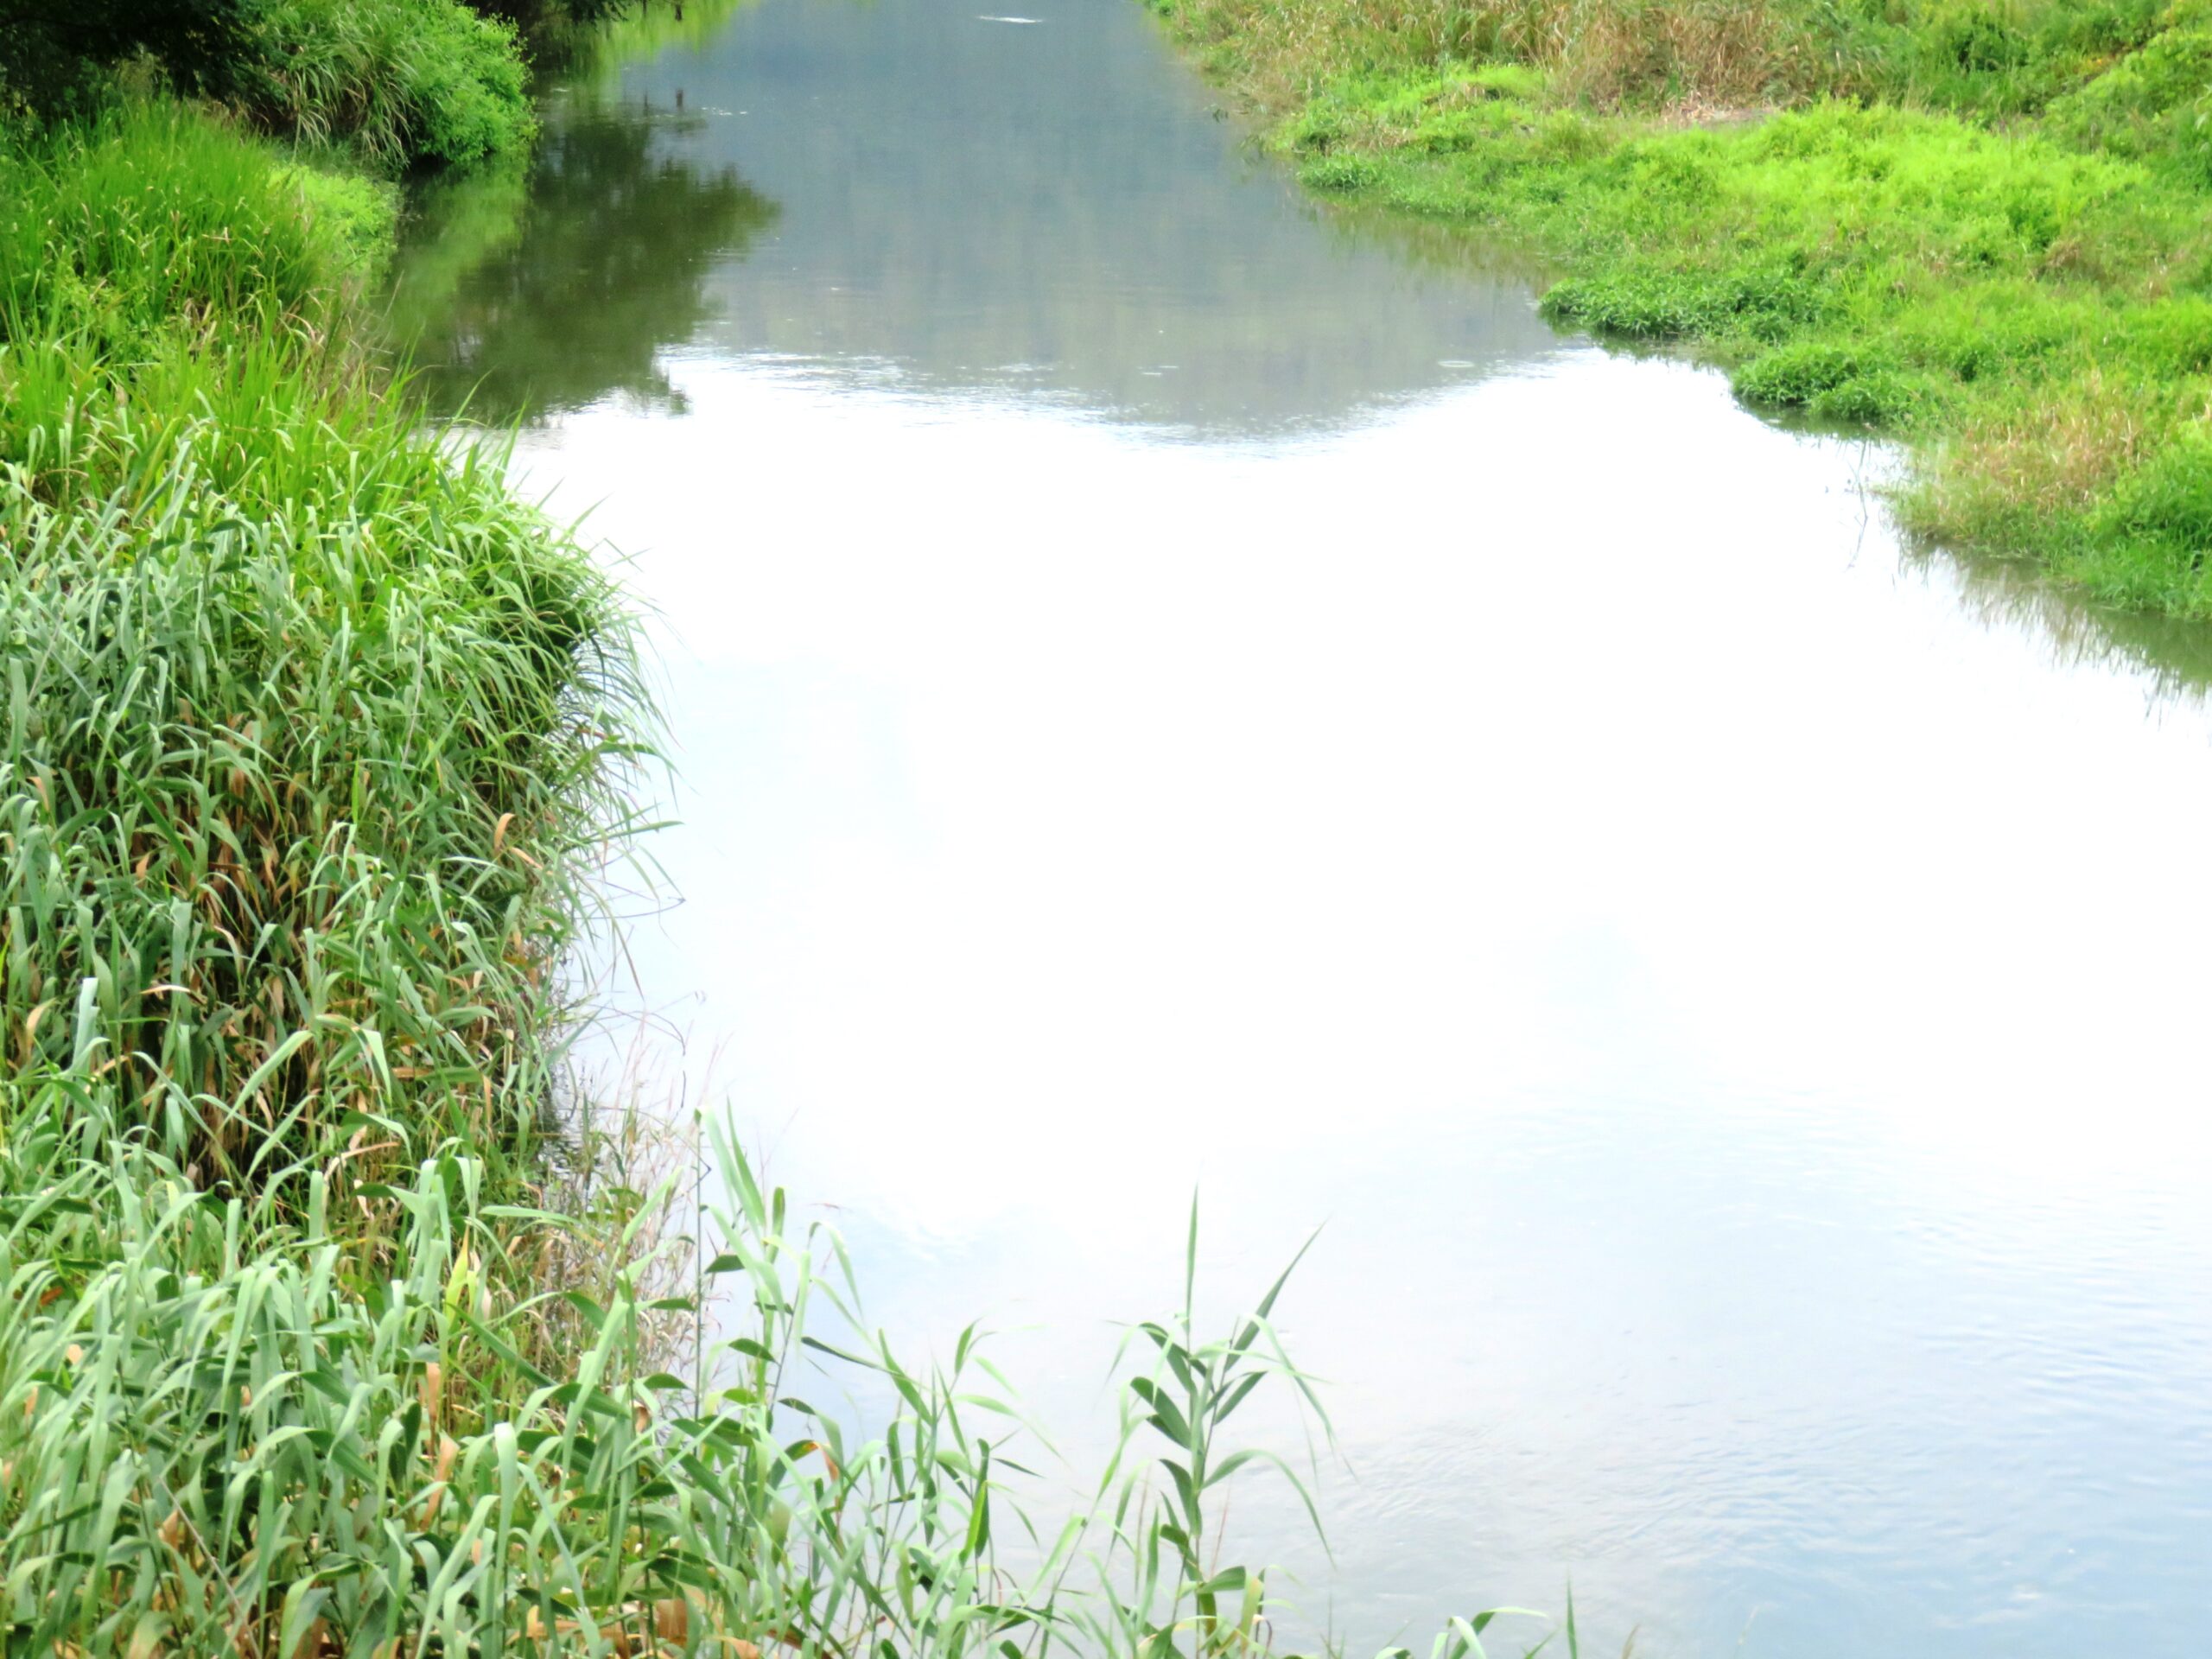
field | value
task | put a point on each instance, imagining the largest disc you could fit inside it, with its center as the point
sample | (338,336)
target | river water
(1174,691)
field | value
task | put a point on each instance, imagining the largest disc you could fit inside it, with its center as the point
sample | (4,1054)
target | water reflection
(1044,208)
(1735,1007)
(2174,653)
(540,288)
(1039,211)
(1270,714)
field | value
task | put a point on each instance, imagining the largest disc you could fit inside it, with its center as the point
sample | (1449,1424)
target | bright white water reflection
(1735,1002)
(1737,1016)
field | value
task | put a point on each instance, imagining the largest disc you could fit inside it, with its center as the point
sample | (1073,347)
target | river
(1172,690)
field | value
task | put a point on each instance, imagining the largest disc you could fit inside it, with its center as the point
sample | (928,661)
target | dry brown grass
(1720,54)
(2060,461)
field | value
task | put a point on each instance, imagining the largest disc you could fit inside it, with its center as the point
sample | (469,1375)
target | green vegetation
(399,83)
(313,734)
(303,738)
(1983,225)
(405,81)
(56,56)
(560,29)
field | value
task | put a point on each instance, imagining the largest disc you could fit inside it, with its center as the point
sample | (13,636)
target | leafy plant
(317,728)
(221,1425)
(405,81)
(51,54)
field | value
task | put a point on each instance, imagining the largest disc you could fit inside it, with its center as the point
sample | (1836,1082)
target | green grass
(315,722)
(314,736)
(403,82)
(1985,228)
(390,84)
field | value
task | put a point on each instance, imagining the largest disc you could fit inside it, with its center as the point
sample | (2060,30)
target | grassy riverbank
(313,735)
(1983,226)
(329,1321)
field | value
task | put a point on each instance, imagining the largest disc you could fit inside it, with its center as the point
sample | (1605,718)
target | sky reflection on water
(1731,987)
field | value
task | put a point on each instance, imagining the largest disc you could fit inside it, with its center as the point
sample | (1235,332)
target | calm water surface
(1169,692)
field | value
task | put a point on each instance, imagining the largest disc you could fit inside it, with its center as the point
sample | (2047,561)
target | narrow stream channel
(1170,691)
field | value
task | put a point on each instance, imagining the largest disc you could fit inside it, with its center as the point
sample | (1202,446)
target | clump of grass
(286,1421)
(1996,245)
(314,721)
(401,82)
(390,84)
(151,225)
(223,1428)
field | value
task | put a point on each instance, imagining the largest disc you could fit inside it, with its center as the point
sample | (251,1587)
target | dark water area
(1172,690)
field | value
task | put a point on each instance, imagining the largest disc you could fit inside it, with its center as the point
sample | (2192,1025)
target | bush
(401,81)
(50,53)
(406,81)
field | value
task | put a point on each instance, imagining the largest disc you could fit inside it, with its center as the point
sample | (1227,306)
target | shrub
(404,80)
(50,53)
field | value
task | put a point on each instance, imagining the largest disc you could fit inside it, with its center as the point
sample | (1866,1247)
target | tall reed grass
(387,84)
(311,721)
(310,733)
(221,1432)
(1608,50)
